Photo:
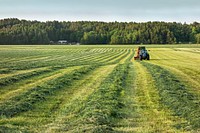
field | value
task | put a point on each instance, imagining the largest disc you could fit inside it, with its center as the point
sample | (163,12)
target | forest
(15,31)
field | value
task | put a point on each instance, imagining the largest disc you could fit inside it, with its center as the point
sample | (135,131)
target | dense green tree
(15,31)
(198,38)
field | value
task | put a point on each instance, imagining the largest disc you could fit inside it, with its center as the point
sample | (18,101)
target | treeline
(15,31)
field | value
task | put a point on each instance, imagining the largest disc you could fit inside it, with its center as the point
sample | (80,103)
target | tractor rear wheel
(148,57)
(141,58)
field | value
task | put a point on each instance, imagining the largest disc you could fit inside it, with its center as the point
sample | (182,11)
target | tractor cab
(142,54)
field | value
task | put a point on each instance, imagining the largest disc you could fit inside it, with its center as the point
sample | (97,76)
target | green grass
(25,101)
(10,79)
(99,89)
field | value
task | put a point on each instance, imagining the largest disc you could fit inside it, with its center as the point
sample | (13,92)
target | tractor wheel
(141,58)
(148,57)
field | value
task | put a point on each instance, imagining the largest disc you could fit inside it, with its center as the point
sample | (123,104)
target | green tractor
(142,54)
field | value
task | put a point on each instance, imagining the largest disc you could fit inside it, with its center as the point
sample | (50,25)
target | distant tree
(170,39)
(198,38)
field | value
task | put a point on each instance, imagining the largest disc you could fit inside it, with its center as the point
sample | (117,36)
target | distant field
(99,89)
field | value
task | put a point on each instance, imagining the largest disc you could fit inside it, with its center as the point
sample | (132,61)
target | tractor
(142,54)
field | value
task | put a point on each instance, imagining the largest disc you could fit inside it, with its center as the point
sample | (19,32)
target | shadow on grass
(163,59)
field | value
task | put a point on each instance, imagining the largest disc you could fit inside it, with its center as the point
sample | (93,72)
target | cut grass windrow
(103,105)
(100,57)
(184,66)
(25,85)
(118,58)
(4,71)
(130,57)
(25,101)
(17,77)
(175,95)
(66,58)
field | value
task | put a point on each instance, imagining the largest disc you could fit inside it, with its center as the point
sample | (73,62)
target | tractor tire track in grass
(25,101)
(175,96)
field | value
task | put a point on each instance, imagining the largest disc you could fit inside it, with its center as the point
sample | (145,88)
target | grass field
(99,89)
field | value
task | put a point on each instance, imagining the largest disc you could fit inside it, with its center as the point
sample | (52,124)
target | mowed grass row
(100,59)
(38,63)
(25,100)
(16,53)
(14,89)
(184,64)
(65,59)
(8,79)
(11,76)
(176,96)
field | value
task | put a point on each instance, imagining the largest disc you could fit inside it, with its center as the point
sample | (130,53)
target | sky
(102,10)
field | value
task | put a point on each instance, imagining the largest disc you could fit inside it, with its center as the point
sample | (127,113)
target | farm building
(62,41)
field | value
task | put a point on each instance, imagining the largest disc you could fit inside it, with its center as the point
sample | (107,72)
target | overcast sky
(102,10)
